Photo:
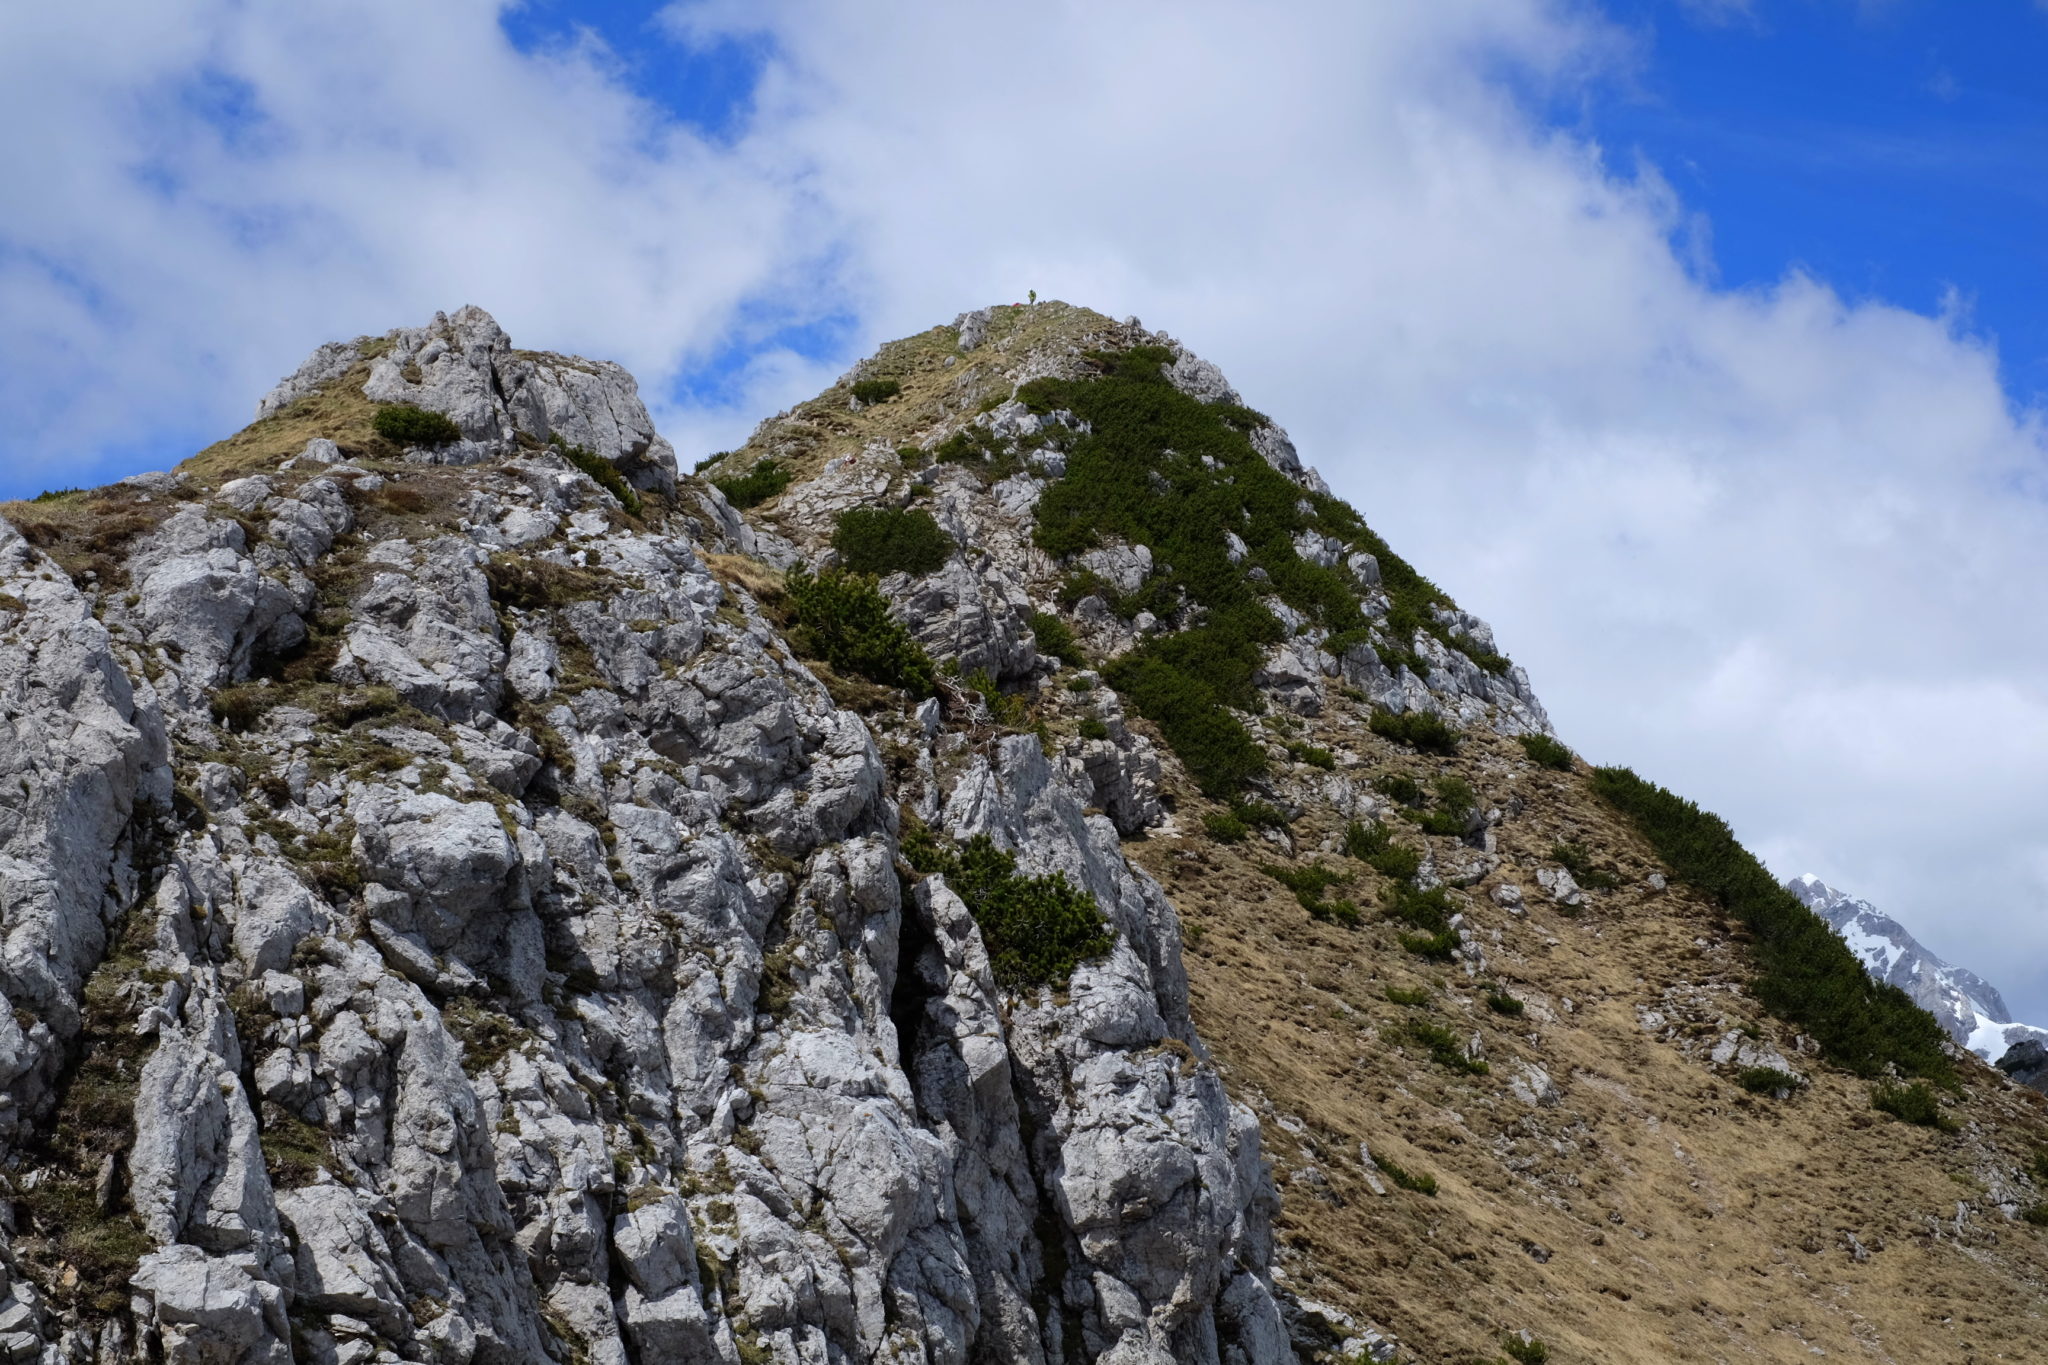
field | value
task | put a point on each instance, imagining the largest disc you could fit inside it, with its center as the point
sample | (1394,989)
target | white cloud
(204,191)
(1778,550)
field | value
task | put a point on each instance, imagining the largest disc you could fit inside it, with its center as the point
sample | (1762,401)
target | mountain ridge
(509,899)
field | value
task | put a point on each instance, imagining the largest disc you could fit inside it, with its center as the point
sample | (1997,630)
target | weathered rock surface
(519,955)
(452,916)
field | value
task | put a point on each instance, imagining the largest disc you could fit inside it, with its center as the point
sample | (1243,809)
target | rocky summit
(1002,867)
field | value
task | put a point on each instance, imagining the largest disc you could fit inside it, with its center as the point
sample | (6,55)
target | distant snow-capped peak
(1964,1003)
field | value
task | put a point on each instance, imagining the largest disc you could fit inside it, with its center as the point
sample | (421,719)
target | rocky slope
(1962,1002)
(475,893)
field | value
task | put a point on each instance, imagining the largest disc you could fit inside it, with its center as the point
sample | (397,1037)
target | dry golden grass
(1659,1212)
(820,430)
(339,411)
(760,579)
(86,532)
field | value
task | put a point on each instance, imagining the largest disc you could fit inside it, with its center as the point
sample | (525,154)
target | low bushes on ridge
(1805,974)
(1037,929)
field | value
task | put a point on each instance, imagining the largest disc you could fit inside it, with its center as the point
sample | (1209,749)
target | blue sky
(1699,346)
(1886,147)
(1898,150)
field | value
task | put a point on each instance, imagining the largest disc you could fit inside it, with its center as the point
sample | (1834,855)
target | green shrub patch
(1037,929)
(1765,1080)
(1259,814)
(1915,1103)
(1423,731)
(1006,709)
(1399,787)
(1374,846)
(756,486)
(886,540)
(1804,973)
(405,425)
(1158,468)
(1579,863)
(1546,752)
(1308,885)
(1055,638)
(604,472)
(1444,1048)
(876,390)
(1407,1180)
(843,619)
(1224,827)
(1313,755)
(1410,996)
(1456,802)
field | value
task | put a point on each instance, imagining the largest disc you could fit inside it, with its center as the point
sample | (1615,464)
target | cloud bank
(1779,549)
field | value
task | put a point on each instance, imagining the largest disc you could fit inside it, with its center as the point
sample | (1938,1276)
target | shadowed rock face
(2027,1062)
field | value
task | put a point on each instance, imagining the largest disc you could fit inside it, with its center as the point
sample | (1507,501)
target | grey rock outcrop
(516,955)
(82,750)
(2027,1063)
(464,367)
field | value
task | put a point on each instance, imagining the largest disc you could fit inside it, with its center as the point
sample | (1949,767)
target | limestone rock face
(476,934)
(81,748)
(464,367)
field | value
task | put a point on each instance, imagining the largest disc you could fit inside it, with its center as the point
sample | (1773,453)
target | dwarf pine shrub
(1765,1080)
(756,486)
(1423,731)
(1399,787)
(876,390)
(1374,846)
(886,540)
(843,619)
(1259,814)
(1579,863)
(1444,1048)
(1308,885)
(1915,1103)
(1036,929)
(605,472)
(1455,803)
(1055,638)
(1546,752)
(1405,1179)
(1224,827)
(406,425)
(1314,755)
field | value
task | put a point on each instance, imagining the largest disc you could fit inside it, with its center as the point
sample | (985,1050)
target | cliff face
(901,893)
